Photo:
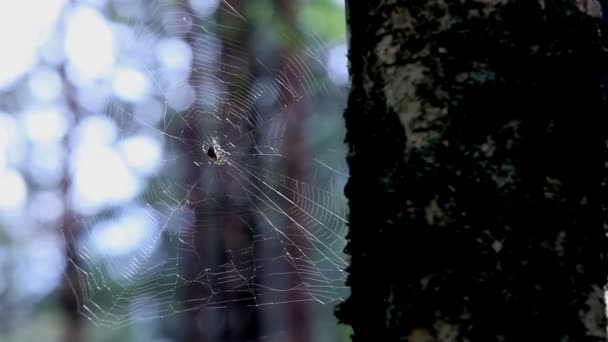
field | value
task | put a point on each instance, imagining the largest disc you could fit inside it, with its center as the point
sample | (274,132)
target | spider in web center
(216,154)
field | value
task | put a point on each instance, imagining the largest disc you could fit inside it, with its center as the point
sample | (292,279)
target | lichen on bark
(481,218)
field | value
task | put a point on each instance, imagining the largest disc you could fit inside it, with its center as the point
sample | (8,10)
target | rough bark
(477,134)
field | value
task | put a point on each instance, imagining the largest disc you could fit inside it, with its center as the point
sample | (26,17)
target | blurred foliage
(324,18)
(41,326)
(321,18)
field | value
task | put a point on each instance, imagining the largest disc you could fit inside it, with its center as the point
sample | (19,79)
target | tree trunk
(477,134)
(71,292)
(239,320)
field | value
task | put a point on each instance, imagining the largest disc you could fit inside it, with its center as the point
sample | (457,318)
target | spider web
(231,224)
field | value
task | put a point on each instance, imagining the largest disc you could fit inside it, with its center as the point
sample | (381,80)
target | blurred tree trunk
(477,134)
(297,311)
(242,315)
(239,321)
(70,290)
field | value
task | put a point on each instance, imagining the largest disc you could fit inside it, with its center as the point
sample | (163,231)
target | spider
(212,154)
(216,153)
